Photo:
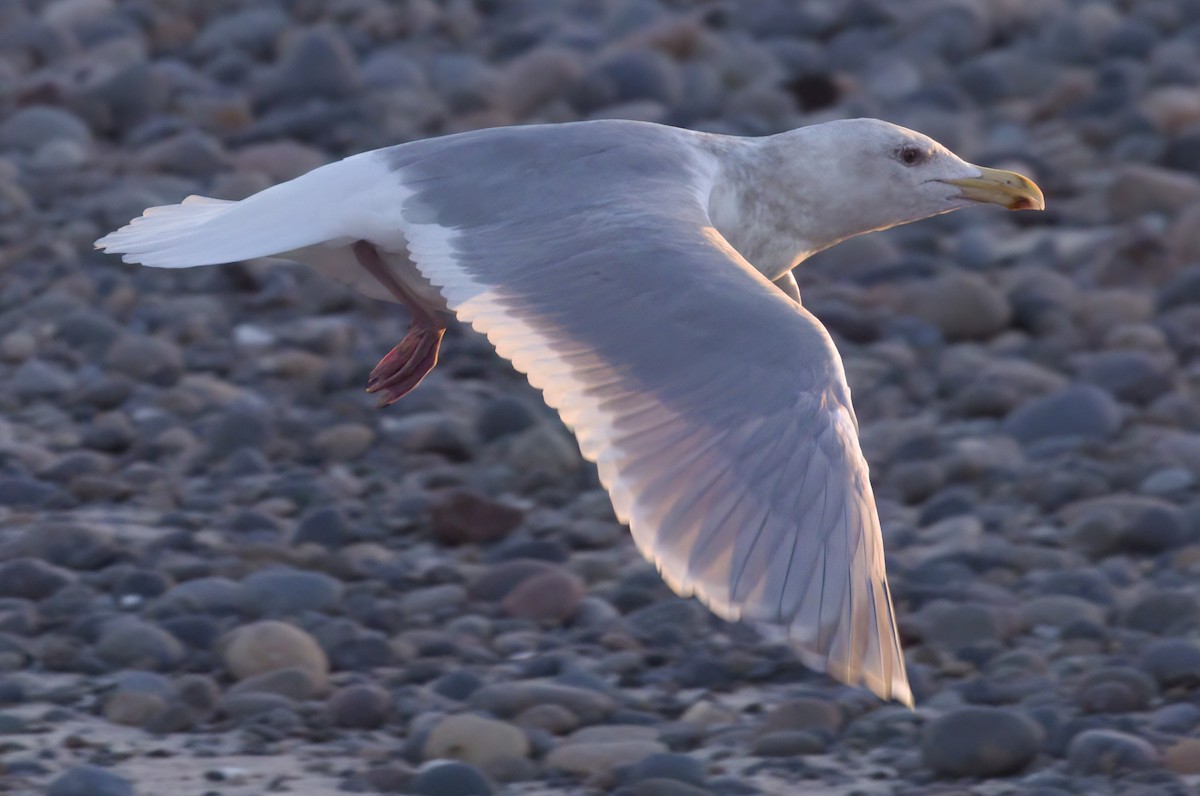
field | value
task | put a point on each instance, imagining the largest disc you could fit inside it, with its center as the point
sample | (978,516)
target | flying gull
(626,268)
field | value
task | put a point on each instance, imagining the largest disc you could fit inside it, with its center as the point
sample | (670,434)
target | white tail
(350,199)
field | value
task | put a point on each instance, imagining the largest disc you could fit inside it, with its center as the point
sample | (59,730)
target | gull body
(626,268)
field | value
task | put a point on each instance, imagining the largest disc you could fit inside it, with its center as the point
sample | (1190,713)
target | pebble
(128,642)
(482,742)
(601,760)
(344,442)
(980,742)
(508,699)
(269,645)
(1116,689)
(286,592)
(291,682)
(1183,757)
(360,707)
(32,579)
(1079,411)
(464,517)
(445,778)
(667,766)
(1173,663)
(552,595)
(88,780)
(963,306)
(31,128)
(1107,752)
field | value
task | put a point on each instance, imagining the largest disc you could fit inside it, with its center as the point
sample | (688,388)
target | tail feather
(335,202)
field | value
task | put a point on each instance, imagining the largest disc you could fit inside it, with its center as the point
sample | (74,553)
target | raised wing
(715,408)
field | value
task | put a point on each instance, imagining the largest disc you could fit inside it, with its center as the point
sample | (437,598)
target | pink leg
(413,357)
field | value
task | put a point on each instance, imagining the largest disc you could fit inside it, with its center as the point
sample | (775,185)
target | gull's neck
(774,229)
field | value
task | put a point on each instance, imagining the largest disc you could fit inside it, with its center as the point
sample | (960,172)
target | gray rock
(31,493)
(207,595)
(964,306)
(789,743)
(151,359)
(601,759)
(1173,663)
(804,714)
(955,626)
(35,379)
(325,525)
(1115,689)
(464,517)
(283,591)
(508,699)
(1108,752)
(669,766)
(1139,188)
(449,779)
(1080,411)
(131,643)
(253,30)
(90,780)
(28,129)
(1134,376)
(498,580)
(317,64)
(31,579)
(1164,612)
(980,742)
(551,595)
(361,707)
(237,428)
(292,682)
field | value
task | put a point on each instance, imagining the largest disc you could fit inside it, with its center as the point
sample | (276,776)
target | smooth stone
(464,517)
(552,595)
(1173,663)
(498,580)
(445,778)
(1115,689)
(788,743)
(668,766)
(151,359)
(37,380)
(30,493)
(88,780)
(1107,752)
(286,592)
(1177,718)
(509,699)
(1082,411)
(316,63)
(804,714)
(130,643)
(1133,376)
(292,682)
(1183,757)
(458,685)
(503,416)
(32,579)
(269,645)
(601,759)
(980,742)
(1138,188)
(344,442)
(133,708)
(257,703)
(29,129)
(360,707)
(214,595)
(1163,612)
(962,305)
(554,719)
(668,787)
(475,740)
(1059,611)
(326,526)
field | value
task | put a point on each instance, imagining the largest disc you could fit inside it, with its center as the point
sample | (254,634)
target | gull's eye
(910,155)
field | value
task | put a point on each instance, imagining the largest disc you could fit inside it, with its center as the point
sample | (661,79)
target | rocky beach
(225,572)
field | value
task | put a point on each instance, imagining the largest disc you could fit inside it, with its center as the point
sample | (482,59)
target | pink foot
(407,364)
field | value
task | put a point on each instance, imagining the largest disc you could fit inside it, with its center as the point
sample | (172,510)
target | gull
(640,276)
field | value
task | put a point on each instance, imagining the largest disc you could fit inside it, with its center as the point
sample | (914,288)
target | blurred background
(223,570)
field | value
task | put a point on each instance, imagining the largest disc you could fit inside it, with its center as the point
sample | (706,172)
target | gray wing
(715,408)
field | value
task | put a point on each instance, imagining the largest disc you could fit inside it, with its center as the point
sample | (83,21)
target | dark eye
(910,155)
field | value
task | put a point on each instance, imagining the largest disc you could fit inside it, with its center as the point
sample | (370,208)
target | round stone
(444,778)
(1107,752)
(361,707)
(476,740)
(268,645)
(90,781)
(980,742)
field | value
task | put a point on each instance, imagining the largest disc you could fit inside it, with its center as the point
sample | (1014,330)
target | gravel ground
(224,571)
